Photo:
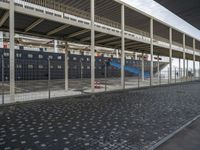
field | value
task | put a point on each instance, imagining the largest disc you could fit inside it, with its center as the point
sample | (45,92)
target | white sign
(1,39)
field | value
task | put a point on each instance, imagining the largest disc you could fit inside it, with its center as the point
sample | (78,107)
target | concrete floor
(186,139)
(38,89)
(122,120)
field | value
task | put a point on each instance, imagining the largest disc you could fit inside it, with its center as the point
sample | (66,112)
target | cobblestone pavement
(127,120)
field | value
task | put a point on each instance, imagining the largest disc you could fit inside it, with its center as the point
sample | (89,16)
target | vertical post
(2,77)
(199,70)
(81,76)
(184,72)
(66,67)
(175,75)
(151,45)
(168,75)
(12,51)
(179,68)
(92,44)
(170,55)
(158,67)
(122,47)
(142,67)
(105,74)
(49,78)
(187,69)
(55,46)
(194,59)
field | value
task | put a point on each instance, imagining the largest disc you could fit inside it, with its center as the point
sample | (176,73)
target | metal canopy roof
(32,24)
(189,10)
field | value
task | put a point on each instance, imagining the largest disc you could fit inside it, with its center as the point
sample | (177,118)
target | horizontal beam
(77,33)
(34,24)
(108,39)
(58,29)
(4,18)
(96,36)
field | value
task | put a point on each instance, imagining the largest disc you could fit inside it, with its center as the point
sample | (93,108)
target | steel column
(12,50)
(122,47)
(66,67)
(170,55)
(151,45)
(92,7)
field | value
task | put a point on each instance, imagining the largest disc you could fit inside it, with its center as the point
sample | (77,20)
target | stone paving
(123,120)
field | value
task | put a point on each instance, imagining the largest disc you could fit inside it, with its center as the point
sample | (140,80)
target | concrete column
(170,55)
(66,67)
(12,50)
(142,67)
(92,45)
(158,67)
(122,47)
(179,68)
(151,45)
(187,68)
(194,67)
(184,71)
(55,46)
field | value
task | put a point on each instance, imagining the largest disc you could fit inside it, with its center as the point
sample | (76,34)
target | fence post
(105,75)
(81,76)
(175,75)
(2,78)
(49,78)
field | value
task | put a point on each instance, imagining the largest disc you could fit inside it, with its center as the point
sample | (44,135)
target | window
(88,67)
(50,57)
(40,66)
(6,54)
(30,55)
(88,59)
(30,66)
(40,56)
(59,57)
(18,55)
(19,66)
(99,60)
(51,66)
(74,58)
(74,67)
(99,68)
(59,67)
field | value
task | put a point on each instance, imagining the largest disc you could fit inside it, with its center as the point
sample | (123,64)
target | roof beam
(4,18)
(96,36)
(58,29)
(108,39)
(77,33)
(34,24)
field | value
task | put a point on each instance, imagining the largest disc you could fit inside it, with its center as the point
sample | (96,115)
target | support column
(158,67)
(184,71)
(170,55)
(122,47)
(92,45)
(142,67)
(151,45)
(194,58)
(12,50)
(179,68)
(187,68)
(66,67)
(55,46)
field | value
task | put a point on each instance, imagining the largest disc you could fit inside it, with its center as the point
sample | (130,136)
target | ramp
(133,70)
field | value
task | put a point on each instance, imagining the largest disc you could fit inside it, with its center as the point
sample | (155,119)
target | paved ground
(187,139)
(128,120)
